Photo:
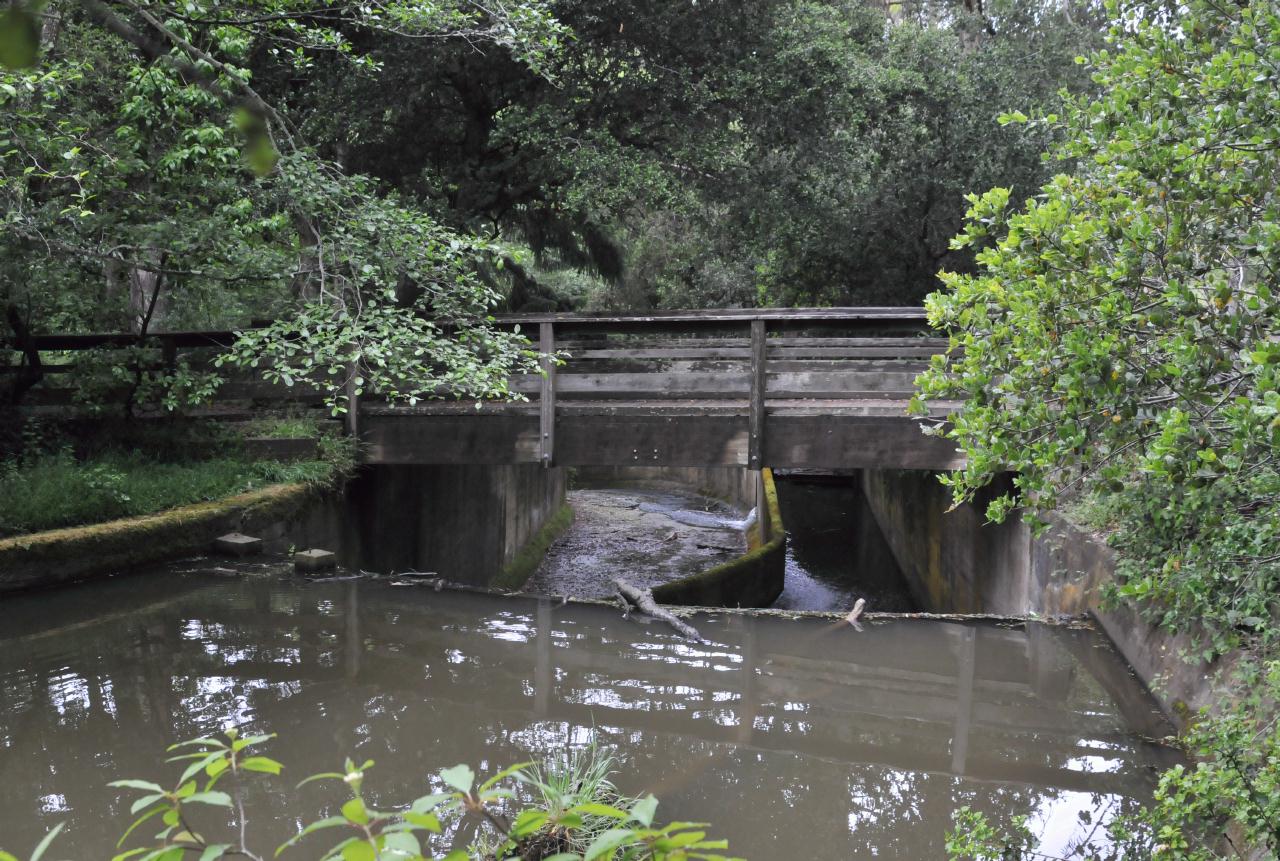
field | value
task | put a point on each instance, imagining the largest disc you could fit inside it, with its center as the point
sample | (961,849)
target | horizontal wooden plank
(720,366)
(855,442)
(878,313)
(793,441)
(773,352)
(488,439)
(704,384)
(634,343)
(907,319)
(185,340)
(845,406)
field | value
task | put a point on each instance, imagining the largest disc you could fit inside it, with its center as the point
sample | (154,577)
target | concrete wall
(469,524)
(61,556)
(954,562)
(480,525)
(732,484)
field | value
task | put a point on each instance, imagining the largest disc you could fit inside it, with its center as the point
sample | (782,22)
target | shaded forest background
(578,154)
(715,153)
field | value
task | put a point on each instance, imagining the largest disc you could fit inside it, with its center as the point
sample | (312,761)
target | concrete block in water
(236,544)
(314,560)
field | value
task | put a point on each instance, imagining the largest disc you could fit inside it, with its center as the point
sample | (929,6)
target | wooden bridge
(789,388)
(794,388)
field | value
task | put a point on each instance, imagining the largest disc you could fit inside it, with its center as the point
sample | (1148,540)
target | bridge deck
(821,388)
(798,388)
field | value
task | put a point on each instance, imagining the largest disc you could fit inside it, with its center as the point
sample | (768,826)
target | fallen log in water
(643,600)
(852,618)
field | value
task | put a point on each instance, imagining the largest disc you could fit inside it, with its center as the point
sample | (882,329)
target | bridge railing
(705,359)
(720,362)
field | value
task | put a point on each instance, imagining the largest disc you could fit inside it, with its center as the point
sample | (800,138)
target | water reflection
(784,734)
(836,553)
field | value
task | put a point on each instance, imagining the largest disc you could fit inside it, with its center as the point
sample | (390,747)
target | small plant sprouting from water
(569,811)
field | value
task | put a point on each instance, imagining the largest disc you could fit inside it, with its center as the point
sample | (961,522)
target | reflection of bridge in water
(1025,706)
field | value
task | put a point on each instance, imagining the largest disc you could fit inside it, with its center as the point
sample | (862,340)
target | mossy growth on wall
(527,559)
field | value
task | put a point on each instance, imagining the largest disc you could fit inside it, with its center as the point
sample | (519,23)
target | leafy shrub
(567,814)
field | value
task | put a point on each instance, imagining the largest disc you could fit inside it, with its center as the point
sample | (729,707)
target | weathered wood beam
(547,395)
(759,382)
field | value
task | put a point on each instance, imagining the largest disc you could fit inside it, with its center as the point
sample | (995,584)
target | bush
(563,814)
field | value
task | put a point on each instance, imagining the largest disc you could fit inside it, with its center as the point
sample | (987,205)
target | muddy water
(835,552)
(643,535)
(796,738)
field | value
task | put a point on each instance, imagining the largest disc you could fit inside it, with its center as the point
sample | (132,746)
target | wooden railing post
(755,443)
(547,396)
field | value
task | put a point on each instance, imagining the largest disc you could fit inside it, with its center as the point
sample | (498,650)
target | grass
(560,781)
(284,427)
(55,489)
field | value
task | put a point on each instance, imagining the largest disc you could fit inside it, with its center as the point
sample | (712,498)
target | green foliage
(1120,333)
(394,304)
(147,183)
(215,772)
(49,487)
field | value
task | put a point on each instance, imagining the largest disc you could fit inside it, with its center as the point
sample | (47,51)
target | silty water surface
(794,738)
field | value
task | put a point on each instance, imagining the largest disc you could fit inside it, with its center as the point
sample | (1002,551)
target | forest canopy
(202,164)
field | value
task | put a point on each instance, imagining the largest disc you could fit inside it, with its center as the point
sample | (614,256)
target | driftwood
(643,599)
(852,618)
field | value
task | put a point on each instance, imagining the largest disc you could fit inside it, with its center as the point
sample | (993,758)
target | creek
(795,736)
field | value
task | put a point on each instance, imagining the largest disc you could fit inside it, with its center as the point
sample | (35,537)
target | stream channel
(795,736)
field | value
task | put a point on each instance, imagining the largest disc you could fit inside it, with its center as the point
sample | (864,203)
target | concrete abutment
(956,562)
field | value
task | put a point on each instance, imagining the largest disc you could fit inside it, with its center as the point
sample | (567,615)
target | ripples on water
(787,735)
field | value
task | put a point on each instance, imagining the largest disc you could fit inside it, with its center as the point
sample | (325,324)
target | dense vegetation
(64,479)
(1118,350)
(367,175)
(377,179)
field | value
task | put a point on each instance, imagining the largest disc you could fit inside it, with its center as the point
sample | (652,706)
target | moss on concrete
(514,575)
(78,552)
(752,580)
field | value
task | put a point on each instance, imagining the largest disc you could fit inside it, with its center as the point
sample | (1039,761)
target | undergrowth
(53,484)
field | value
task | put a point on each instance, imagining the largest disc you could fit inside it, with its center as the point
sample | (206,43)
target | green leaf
(427,803)
(401,844)
(19,37)
(44,844)
(506,772)
(528,822)
(263,764)
(141,819)
(144,802)
(460,777)
(644,809)
(595,808)
(428,821)
(359,850)
(327,775)
(355,811)
(607,842)
(214,851)
(137,784)
(216,799)
(319,825)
